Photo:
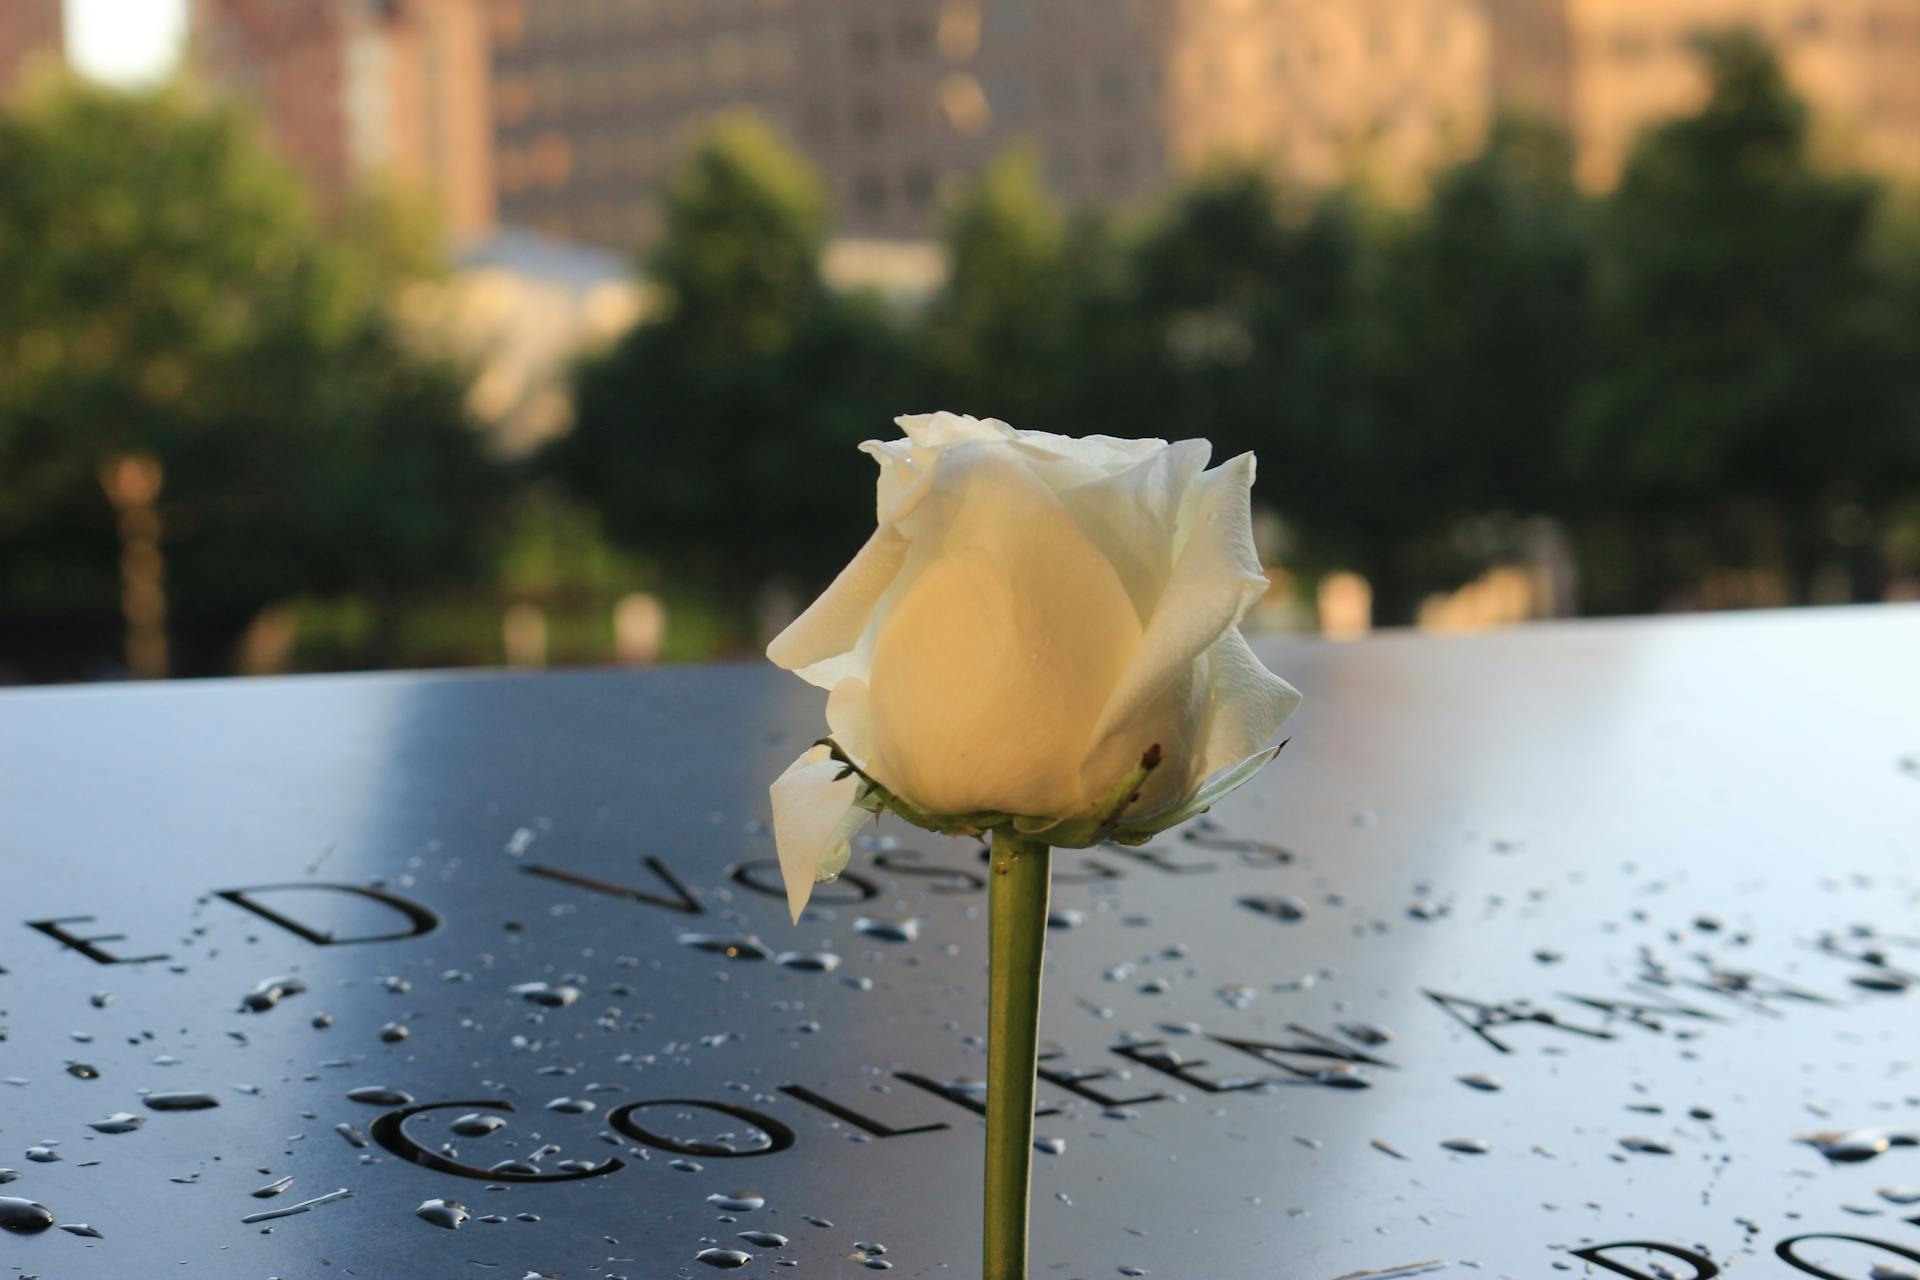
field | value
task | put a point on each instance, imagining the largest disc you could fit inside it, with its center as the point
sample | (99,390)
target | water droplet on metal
(724,1259)
(268,1215)
(808,961)
(1648,1146)
(269,992)
(24,1217)
(736,1201)
(190,1101)
(888,930)
(742,948)
(118,1122)
(375,1095)
(442,1213)
(475,1125)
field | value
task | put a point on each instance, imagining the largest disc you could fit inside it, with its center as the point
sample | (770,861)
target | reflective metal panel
(1529,944)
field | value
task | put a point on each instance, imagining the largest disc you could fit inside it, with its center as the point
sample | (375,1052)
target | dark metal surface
(1692,817)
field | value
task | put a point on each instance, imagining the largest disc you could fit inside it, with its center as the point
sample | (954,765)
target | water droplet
(552,995)
(353,1136)
(871,1248)
(394,1032)
(43,1155)
(1648,1146)
(1277,906)
(1484,1081)
(269,992)
(8,1175)
(724,1259)
(268,1215)
(100,999)
(475,1125)
(1901,1195)
(375,1095)
(1387,1148)
(83,1071)
(1365,1033)
(816,1221)
(744,948)
(321,1021)
(1853,1145)
(24,1217)
(273,1188)
(118,1122)
(180,1101)
(686,1166)
(764,1239)
(82,1229)
(442,1213)
(888,930)
(1065,918)
(808,961)
(570,1106)
(1881,980)
(1467,1146)
(1051,1146)
(736,1201)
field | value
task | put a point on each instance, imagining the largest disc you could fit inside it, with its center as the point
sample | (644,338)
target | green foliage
(170,295)
(1753,371)
(704,435)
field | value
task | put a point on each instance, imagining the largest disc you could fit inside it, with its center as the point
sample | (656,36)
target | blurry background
(370,333)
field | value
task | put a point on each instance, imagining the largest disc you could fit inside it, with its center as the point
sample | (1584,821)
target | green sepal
(1222,786)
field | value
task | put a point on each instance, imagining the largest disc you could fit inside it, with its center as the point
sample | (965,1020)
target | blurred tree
(170,299)
(999,337)
(1466,334)
(1749,379)
(1484,299)
(717,436)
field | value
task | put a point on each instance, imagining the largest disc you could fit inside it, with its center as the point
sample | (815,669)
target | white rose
(1031,615)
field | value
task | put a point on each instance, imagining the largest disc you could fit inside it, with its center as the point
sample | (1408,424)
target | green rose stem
(1016,946)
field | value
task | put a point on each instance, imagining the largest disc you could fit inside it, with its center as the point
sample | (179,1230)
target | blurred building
(358,90)
(1856,61)
(893,99)
(29,31)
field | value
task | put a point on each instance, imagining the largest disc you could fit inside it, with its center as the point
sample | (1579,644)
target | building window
(870,194)
(917,187)
(913,36)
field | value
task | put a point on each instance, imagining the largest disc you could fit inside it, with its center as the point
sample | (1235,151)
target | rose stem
(1017,943)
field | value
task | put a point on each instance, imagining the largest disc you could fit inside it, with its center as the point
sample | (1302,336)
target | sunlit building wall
(358,91)
(30,30)
(1856,61)
(895,99)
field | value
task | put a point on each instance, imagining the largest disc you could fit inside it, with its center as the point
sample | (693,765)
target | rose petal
(1248,704)
(1216,578)
(1000,647)
(823,644)
(812,806)
(1133,514)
